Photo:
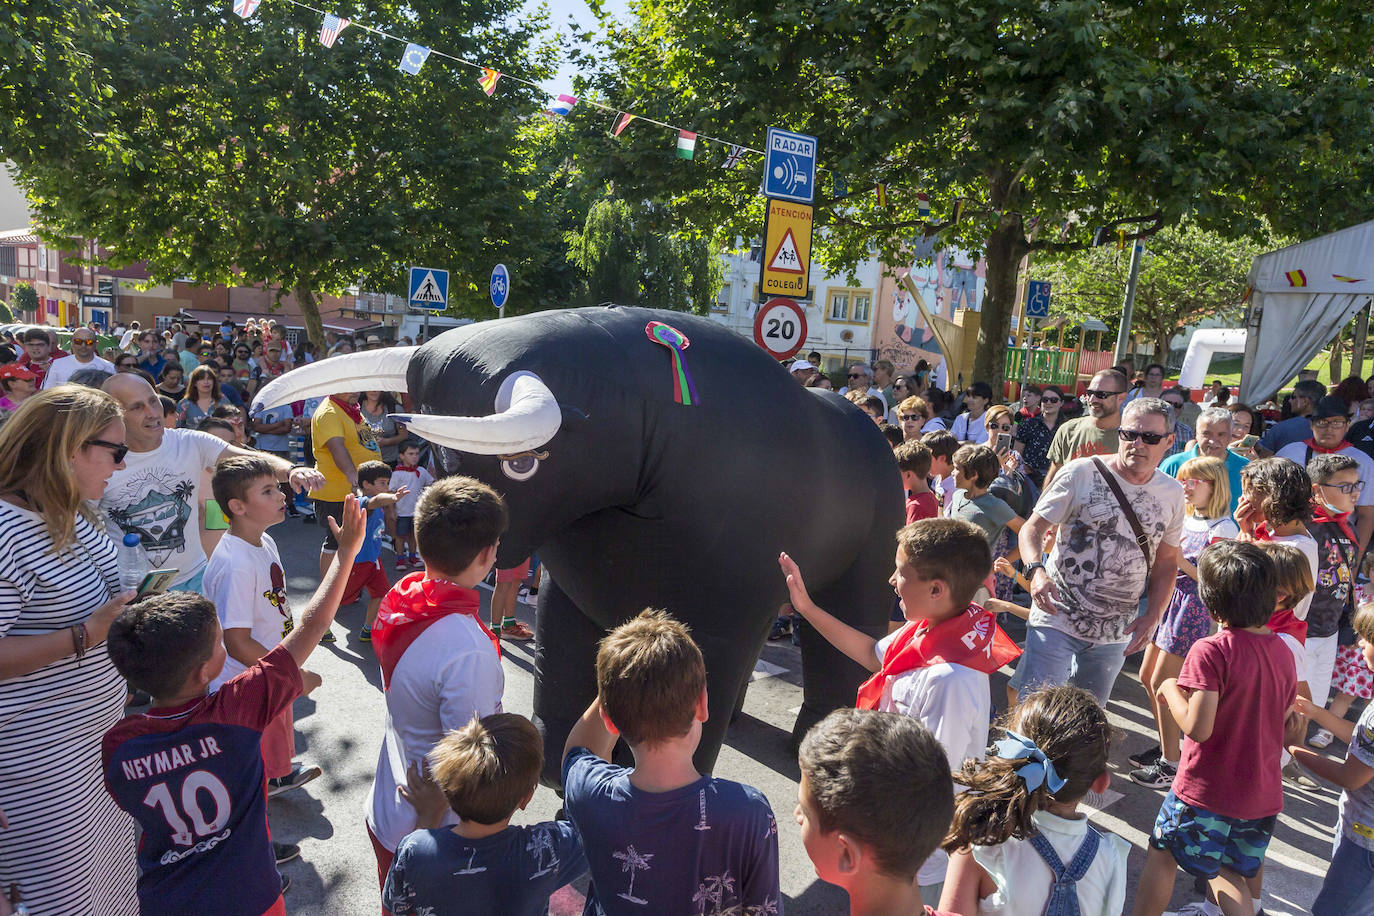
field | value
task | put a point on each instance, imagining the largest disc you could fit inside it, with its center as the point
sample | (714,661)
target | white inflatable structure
(1202,347)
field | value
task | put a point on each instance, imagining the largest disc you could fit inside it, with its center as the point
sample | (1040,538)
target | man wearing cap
(1296,428)
(1329,423)
(802,371)
(271,365)
(83,357)
(17,383)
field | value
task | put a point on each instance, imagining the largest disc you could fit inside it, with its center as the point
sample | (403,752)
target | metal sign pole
(426,331)
(1123,334)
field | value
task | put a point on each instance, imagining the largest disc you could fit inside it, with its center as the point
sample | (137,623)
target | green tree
(632,256)
(1103,113)
(1187,274)
(5,314)
(24,298)
(233,150)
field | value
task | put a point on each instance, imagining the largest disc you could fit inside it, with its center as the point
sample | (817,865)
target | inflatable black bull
(649,470)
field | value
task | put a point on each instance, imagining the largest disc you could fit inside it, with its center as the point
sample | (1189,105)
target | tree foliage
(24,298)
(233,150)
(629,255)
(1187,274)
(1112,113)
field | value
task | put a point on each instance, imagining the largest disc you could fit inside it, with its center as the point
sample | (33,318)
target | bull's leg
(564,672)
(863,599)
(729,660)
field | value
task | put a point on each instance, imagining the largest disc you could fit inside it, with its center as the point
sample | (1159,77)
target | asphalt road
(339,728)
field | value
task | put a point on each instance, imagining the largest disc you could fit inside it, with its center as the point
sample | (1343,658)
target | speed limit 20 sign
(780,327)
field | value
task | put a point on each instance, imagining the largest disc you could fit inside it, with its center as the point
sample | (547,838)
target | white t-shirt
(416,480)
(1096,563)
(872,392)
(248,587)
(966,430)
(1023,880)
(64,367)
(1296,452)
(955,703)
(446,676)
(934,425)
(1308,546)
(154,496)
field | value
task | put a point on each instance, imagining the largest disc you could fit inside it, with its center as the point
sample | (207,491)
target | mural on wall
(948,279)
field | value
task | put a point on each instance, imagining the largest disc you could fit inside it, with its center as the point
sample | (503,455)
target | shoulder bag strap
(1137,529)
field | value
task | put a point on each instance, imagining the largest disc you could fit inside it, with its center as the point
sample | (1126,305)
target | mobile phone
(155,583)
(1003,443)
(1247,442)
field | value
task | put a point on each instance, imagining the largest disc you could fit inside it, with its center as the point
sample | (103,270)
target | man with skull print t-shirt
(1086,596)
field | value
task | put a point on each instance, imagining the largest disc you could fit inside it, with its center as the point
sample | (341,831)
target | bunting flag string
(562,105)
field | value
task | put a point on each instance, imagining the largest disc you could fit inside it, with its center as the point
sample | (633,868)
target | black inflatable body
(637,500)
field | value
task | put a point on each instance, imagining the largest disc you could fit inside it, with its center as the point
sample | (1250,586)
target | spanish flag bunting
(488,80)
(1296,278)
(622,122)
(1344,279)
(882,194)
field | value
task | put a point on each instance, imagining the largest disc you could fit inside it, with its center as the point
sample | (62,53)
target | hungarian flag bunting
(686,144)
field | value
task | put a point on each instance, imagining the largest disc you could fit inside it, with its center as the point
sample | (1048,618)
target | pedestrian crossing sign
(428,288)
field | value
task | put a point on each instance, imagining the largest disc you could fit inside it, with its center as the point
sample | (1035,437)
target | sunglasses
(1005,427)
(1130,435)
(856,375)
(117,449)
(1096,393)
(910,418)
(1348,489)
(1051,400)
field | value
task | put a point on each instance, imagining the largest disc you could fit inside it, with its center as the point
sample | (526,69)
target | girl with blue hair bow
(1019,844)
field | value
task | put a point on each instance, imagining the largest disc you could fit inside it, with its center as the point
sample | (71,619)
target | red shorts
(368,576)
(384,859)
(518,574)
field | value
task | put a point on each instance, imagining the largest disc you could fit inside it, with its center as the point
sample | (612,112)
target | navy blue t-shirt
(438,872)
(710,846)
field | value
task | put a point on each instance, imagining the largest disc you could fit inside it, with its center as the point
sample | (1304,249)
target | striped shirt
(69,848)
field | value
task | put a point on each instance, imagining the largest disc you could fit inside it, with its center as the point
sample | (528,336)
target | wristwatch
(1029,570)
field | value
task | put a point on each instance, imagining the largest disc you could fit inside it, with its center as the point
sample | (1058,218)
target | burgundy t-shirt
(1235,772)
(921,505)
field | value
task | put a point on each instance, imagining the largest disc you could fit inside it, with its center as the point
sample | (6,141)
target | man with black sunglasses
(1094,434)
(1119,522)
(83,356)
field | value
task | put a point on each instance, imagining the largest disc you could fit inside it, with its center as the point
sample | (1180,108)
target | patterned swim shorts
(1202,843)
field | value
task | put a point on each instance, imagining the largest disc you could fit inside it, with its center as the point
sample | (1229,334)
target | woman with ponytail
(1018,843)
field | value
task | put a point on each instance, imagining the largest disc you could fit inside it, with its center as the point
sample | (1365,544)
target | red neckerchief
(1319,450)
(354,412)
(411,607)
(408,470)
(1282,621)
(1322,514)
(972,639)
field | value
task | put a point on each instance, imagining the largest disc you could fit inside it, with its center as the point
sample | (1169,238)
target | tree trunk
(1334,367)
(1006,247)
(314,325)
(1361,337)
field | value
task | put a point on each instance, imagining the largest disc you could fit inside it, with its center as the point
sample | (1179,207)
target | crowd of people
(142,736)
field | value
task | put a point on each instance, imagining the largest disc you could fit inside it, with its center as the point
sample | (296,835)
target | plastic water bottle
(133,563)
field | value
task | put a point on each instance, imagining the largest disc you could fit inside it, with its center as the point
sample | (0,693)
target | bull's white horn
(370,370)
(527,417)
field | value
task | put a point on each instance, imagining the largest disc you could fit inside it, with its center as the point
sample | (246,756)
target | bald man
(156,494)
(83,356)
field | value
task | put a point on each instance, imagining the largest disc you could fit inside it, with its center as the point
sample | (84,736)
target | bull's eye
(520,467)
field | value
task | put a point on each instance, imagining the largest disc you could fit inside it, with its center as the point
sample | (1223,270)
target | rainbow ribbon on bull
(684,389)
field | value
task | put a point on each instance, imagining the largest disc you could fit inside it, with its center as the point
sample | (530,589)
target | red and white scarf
(412,606)
(972,639)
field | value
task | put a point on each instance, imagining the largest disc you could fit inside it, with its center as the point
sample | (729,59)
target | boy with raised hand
(368,574)
(191,769)
(935,668)
(874,801)
(484,772)
(440,664)
(660,837)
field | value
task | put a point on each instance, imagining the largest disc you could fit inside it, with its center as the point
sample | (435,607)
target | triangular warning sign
(428,290)
(785,259)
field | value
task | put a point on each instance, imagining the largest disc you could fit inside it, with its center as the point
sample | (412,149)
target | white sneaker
(1321,739)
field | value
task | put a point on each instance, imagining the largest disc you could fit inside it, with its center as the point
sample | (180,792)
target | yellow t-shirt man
(330,422)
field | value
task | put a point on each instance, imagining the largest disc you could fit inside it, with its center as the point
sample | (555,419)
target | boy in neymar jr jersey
(190,770)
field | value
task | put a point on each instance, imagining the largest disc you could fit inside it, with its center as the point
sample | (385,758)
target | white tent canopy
(1302,295)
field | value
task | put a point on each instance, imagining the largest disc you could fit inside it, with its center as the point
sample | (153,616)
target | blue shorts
(1202,843)
(405,525)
